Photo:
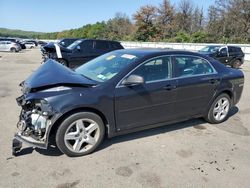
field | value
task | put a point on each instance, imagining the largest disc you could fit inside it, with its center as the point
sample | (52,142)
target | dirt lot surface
(188,154)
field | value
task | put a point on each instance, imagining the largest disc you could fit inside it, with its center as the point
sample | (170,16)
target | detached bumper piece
(16,146)
(19,139)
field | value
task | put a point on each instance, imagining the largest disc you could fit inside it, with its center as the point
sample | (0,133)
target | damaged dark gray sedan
(121,92)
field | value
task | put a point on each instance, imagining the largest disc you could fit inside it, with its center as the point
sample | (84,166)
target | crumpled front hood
(52,74)
(50,47)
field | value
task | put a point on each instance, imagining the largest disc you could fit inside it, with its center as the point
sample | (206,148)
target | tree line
(226,21)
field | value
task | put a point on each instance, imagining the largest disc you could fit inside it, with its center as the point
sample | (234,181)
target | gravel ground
(189,154)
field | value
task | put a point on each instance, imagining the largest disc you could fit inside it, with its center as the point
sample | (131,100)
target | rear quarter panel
(232,81)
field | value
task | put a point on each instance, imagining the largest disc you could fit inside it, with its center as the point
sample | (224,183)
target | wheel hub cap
(81,135)
(221,109)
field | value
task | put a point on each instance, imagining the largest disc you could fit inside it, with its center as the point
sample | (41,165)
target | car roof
(156,52)
(7,41)
(234,46)
(100,40)
(222,46)
(214,45)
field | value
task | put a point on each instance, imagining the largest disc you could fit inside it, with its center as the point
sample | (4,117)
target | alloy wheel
(82,135)
(221,109)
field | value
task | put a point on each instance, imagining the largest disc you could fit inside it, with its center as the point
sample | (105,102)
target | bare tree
(165,19)
(184,15)
(197,20)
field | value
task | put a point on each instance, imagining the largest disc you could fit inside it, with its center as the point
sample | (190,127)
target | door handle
(169,87)
(214,81)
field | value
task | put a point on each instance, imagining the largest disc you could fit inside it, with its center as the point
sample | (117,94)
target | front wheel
(80,134)
(236,64)
(13,50)
(63,62)
(219,110)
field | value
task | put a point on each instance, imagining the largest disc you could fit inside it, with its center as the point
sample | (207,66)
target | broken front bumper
(34,123)
(19,139)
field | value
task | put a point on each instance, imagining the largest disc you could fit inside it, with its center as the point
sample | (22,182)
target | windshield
(74,44)
(105,67)
(209,49)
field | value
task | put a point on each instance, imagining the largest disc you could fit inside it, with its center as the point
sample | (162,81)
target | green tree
(145,19)
(120,27)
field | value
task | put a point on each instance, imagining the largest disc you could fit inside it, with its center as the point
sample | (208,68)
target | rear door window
(87,45)
(101,45)
(191,66)
(115,45)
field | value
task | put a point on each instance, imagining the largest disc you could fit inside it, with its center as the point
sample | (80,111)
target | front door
(223,55)
(82,54)
(148,103)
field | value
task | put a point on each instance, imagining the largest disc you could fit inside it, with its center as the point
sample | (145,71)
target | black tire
(210,117)
(31,47)
(236,64)
(13,50)
(63,129)
(63,62)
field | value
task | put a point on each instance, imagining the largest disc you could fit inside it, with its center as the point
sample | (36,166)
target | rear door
(8,45)
(197,81)
(232,54)
(101,47)
(149,103)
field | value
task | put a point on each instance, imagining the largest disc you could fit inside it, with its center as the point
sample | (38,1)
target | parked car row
(73,52)
(16,45)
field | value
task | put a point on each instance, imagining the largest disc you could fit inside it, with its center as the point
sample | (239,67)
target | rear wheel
(80,134)
(219,110)
(236,64)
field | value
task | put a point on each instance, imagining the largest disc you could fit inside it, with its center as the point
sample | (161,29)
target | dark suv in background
(228,55)
(81,51)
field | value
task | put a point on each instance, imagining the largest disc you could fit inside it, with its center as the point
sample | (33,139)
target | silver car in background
(30,45)
(9,46)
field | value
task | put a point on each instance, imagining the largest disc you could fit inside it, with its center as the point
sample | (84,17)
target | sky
(58,15)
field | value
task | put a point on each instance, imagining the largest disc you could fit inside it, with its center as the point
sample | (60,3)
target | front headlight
(38,121)
(43,107)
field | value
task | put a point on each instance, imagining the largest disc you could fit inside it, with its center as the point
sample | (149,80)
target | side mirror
(222,52)
(78,48)
(133,80)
